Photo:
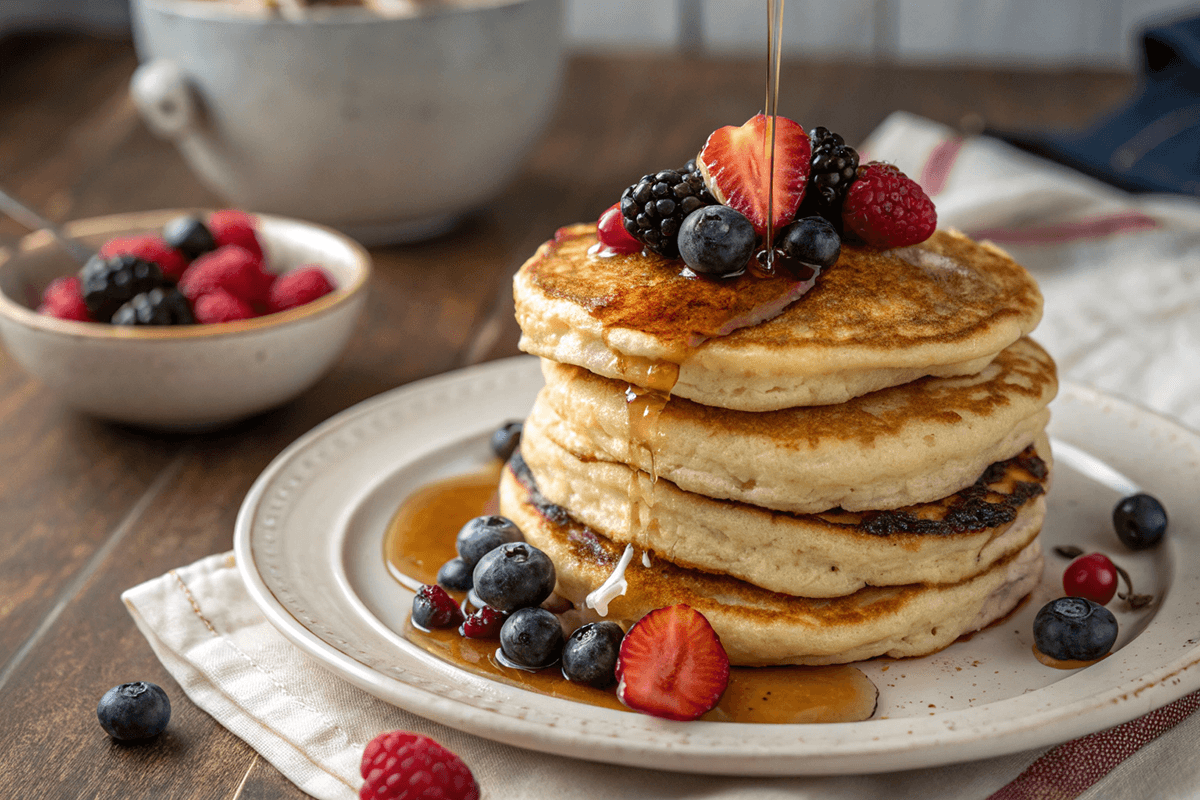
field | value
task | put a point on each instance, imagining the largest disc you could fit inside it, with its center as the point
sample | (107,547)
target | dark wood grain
(90,509)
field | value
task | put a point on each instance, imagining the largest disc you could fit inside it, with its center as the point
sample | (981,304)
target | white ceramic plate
(309,545)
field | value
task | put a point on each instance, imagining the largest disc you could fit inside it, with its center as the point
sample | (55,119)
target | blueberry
(189,235)
(455,575)
(812,240)
(1140,521)
(134,711)
(506,438)
(1074,628)
(513,576)
(590,654)
(484,534)
(531,638)
(716,240)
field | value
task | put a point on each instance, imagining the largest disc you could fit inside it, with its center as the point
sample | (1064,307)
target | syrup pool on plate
(421,537)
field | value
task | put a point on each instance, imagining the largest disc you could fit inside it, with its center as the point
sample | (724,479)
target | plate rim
(1148,690)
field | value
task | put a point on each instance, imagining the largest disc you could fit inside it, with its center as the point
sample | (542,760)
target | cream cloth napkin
(1121,277)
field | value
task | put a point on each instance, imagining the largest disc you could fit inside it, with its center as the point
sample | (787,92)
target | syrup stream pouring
(774,56)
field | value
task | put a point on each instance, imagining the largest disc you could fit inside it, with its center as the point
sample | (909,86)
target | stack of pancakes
(859,474)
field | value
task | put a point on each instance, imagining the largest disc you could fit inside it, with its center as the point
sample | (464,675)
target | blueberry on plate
(717,240)
(512,576)
(1140,521)
(505,439)
(812,240)
(590,654)
(531,638)
(134,711)
(455,575)
(1074,629)
(482,535)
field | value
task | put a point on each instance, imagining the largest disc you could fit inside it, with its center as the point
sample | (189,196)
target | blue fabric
(1152,143)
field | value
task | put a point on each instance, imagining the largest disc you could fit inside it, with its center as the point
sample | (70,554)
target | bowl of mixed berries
(182,319)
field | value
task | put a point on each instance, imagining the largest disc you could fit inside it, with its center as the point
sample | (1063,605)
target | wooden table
(89,509)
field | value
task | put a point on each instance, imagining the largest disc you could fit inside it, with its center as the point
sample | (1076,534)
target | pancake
(759,627)
(875,319)
(908,444)
(823,555)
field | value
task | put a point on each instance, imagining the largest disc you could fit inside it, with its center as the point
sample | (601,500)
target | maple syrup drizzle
(421,534)
(420,538)
(771,695)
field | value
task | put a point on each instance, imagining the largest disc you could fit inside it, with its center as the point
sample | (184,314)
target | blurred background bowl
(386,124)
(187,377)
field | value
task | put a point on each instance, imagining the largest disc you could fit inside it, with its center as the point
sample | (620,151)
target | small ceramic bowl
(185,377)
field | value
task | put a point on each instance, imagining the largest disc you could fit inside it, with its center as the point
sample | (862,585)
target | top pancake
(874,319)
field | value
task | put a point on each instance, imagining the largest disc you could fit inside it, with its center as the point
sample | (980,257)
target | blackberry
(834,167)
(654,208)
(109,283)
(163,305)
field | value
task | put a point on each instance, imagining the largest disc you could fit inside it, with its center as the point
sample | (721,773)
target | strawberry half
(736,162)
(672,664)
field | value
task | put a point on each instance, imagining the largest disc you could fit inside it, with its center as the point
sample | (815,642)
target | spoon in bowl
(26,216)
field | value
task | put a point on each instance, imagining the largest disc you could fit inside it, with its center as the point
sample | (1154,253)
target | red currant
(1092,576)
(612,233)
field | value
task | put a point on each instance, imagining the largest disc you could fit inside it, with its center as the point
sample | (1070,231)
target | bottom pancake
(759,627)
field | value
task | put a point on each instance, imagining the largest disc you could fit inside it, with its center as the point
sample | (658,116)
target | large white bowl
(188,376)
(388,126)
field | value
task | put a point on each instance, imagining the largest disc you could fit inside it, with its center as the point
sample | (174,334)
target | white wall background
(995,32)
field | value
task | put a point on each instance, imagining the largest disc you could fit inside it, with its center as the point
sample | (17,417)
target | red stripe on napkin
(940,162)
(1095,227)
(1070,769)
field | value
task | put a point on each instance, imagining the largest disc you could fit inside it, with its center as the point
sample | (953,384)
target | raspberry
(220,306)
(63,298)
(230,226)
(150,248)
(886,208)
(301,285)
(408,766)
(230,268)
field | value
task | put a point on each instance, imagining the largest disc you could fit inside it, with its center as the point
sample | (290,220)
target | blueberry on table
(481,535)
(515,575)
(531,638)
(134,711)
(717,240)
(1140,521)
(455,575)
(505,439)
(590,654)
(1074,629)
